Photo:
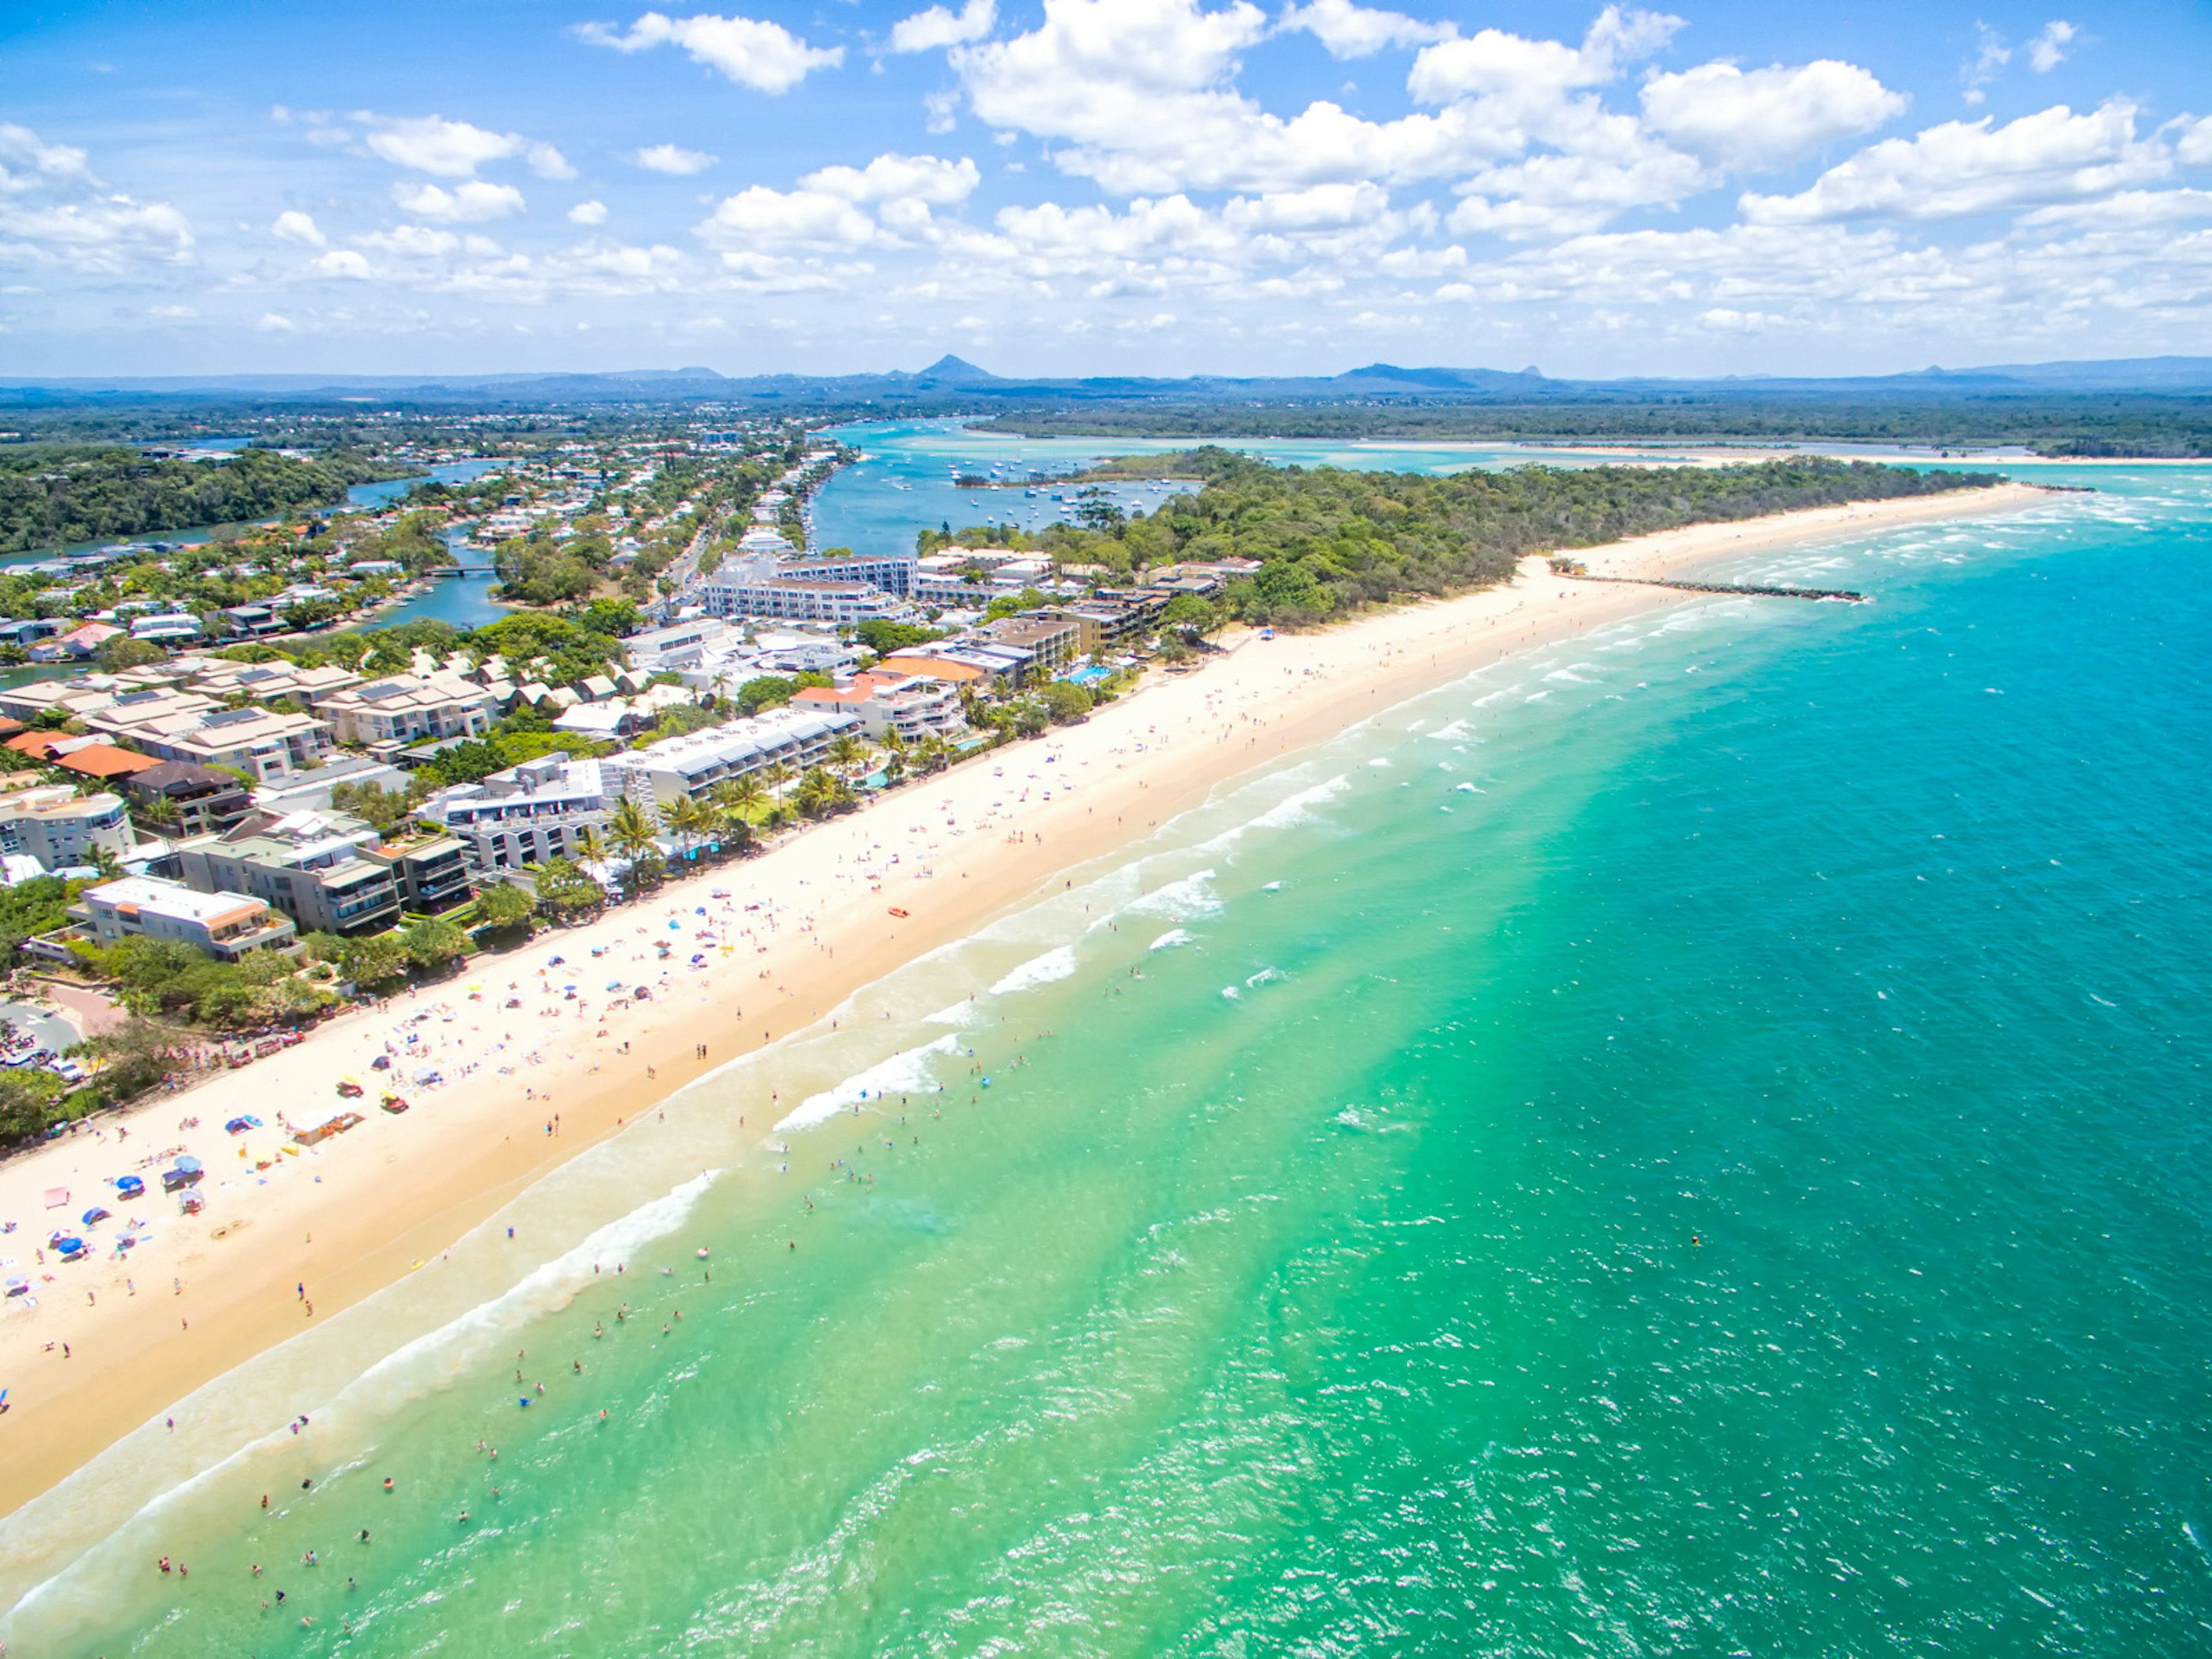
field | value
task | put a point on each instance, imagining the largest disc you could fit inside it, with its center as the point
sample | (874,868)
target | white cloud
(1990,56)
(276,323)
(1496,64)
(412,241)
(449,149)
(1968,166)
(468,204)
(765,56)
(926,31)
(341,262)
(2193,140)
(673,159)
(548,162)
(26,161)
(1769,118)
(588,213)
(2048,49)
(1141,90)
(2131,208)
(761,219)
(1354,31)
(294,226)
(56,215)
(922,178)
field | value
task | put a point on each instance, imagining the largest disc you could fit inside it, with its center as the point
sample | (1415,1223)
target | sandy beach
(533,1072)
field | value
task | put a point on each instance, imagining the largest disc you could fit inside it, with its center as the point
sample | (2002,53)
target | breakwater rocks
(1843,593)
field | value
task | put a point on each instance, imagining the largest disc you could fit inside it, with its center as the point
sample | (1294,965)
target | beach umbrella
(189,1165)
(94,1216)
(70,1246)
(130,1187)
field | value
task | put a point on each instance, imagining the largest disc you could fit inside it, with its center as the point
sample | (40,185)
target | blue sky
(1101,186)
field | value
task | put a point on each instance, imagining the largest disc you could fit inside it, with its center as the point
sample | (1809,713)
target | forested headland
(1330,541)
(2083,425)
(52,495)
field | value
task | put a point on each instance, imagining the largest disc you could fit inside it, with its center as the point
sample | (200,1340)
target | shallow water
(1689,1142)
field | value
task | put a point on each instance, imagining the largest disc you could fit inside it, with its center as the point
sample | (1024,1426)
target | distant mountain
(952,385)
(955,371)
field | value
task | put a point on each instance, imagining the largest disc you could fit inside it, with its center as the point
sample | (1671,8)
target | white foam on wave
(1265,976)
(1291,810)
(1037,970)
(906,1070)
(955,1015)
(440,1356)
(1168,940)
(1467,789)
(1179,901)
(460,1343)
(1456,731)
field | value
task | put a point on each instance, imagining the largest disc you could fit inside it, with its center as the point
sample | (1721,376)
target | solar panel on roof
(380,690)
(133,699)
(231,717)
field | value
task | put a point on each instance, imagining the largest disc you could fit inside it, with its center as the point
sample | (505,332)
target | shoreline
(359,1213)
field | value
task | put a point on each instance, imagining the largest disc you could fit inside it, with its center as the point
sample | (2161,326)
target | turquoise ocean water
(1689,1142)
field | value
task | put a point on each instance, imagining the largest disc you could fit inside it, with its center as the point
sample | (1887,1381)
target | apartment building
(910,707)
(310,865)
(52,824)
(199,798)
(527,814)
(408,708)
(227,926)
(264,743)
(431,870)
(688,767)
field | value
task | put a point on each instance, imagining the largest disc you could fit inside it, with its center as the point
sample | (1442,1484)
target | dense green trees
(1329,540)
(2049,422)
(50,497)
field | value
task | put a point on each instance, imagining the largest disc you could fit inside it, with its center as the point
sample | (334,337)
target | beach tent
(19,1286)
(238,1126)
(179,1177)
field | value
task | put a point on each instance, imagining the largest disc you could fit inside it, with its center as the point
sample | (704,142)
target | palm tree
(844,749)
(817,791)
(590,848)
(692,822)
(894,755)
(775,775)
(733,799)
(629,831)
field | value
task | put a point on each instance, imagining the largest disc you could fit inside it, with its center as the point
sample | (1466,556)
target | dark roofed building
(205,799)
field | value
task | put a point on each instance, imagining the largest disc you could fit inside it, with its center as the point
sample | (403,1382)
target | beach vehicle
(394,1104)
(68,1071)
(348,1089)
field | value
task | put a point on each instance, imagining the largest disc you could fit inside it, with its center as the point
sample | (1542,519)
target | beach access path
(759,949)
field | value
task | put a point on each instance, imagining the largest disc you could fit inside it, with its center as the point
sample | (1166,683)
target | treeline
(49,497)
(1330,541)
(2126,424)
